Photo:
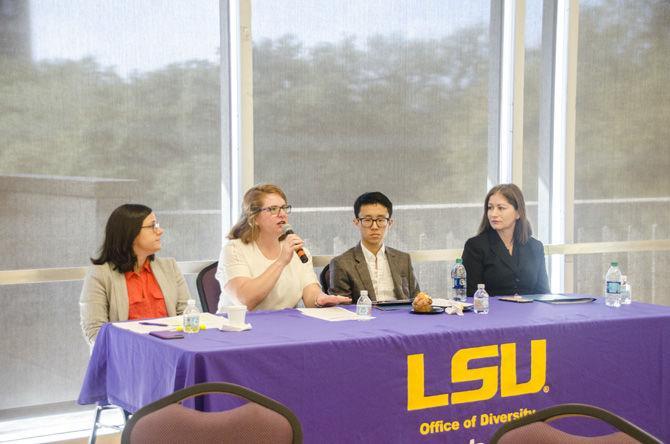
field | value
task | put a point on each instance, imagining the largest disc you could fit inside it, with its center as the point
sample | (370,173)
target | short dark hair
(123,226)
(513,195)
(371,198)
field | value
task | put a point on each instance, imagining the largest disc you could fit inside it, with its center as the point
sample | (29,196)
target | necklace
(509,245)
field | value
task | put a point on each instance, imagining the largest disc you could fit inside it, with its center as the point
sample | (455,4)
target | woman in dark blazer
(503,256)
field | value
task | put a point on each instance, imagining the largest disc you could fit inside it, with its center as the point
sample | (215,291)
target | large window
(363,96)
(622,188)
(532,86)
(108,108)
(101,103)
(104,102)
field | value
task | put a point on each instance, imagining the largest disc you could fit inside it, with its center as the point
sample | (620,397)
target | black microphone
(288,229)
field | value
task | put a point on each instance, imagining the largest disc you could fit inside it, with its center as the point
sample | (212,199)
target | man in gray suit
(386,273)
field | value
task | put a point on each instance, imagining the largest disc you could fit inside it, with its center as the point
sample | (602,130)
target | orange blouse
(145,298)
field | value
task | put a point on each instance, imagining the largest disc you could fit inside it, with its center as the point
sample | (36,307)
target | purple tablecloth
(357,381)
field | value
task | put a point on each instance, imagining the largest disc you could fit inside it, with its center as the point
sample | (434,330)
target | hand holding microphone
(288,229)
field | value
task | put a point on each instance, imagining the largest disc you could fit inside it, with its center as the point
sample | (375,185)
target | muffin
(422,303)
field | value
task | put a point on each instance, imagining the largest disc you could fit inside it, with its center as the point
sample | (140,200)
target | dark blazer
(349,274)
(488,262)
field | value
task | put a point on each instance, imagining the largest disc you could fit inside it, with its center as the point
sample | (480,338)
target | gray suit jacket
(104,297)
(349,274)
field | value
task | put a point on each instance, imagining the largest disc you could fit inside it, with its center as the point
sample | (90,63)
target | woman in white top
(259,270)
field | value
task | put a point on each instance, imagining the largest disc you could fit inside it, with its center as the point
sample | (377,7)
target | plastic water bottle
(481,300)
(613,286)
(458,281)
(364,305)
(626,296)
(191,317)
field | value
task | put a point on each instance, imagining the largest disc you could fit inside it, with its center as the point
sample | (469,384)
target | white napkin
(454,309)
(230,327)
(451,307)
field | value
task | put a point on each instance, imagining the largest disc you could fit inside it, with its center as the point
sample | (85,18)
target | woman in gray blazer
(126,280)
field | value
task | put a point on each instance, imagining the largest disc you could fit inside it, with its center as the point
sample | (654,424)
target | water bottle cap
(480,286)
(614,264)
(191,302)
(459,260)
(364,292)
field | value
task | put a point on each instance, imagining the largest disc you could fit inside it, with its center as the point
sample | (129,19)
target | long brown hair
(245,228)
(513,195)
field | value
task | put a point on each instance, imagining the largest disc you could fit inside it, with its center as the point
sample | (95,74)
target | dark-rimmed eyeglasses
(275,209)
(154,226)
(368,221)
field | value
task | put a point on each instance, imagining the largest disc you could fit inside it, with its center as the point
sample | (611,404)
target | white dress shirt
(380,273)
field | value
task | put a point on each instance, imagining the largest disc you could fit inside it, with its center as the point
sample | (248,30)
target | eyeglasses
(154,226)
(275,209)
(368,221)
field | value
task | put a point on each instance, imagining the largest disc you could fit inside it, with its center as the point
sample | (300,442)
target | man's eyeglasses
(154,226)
(275,209)
(368,221)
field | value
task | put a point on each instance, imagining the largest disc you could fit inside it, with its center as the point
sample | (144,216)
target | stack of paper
(333,314)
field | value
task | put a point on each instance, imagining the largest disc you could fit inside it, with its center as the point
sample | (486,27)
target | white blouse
(240,259)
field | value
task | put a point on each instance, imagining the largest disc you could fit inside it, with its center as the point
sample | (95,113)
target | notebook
(561,298)
(393,302)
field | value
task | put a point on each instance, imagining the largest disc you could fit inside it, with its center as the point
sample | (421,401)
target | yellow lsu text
(506,373)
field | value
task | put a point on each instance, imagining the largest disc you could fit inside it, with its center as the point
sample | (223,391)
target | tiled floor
(113,438)
(71,428)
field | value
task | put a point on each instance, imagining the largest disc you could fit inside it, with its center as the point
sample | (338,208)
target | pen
(385,308)
(157,324)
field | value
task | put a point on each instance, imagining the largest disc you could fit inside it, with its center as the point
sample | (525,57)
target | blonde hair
(245,228)
(513,195)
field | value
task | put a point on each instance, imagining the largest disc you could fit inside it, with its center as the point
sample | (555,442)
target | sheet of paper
(333,314)
(207,319)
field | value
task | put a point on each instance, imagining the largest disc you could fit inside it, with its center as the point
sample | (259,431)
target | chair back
(260,420)
(209,289)
(536,428)
(324,278)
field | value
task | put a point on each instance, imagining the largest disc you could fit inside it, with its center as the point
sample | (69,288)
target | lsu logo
(509,386)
